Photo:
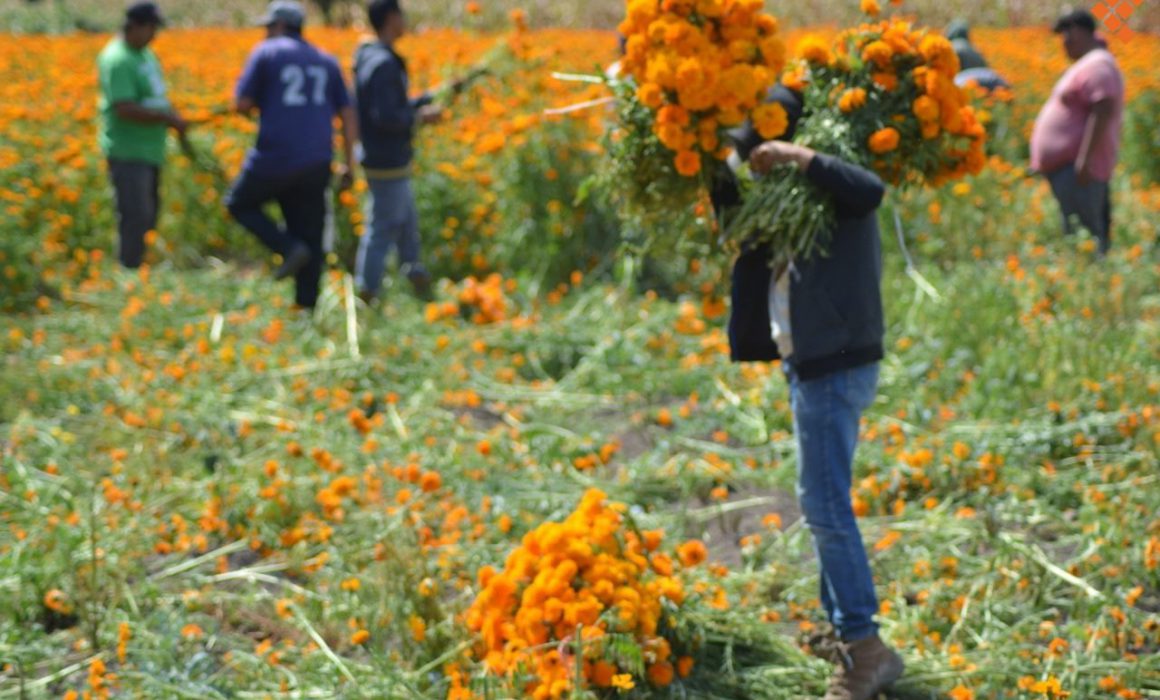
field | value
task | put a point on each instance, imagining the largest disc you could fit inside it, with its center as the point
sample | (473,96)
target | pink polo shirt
(1060,126)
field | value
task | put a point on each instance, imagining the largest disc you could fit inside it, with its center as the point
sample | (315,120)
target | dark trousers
(302,198)
(1091,204)
(136,189)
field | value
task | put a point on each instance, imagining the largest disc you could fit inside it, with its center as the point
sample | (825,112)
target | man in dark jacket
(823,318)
(388,117)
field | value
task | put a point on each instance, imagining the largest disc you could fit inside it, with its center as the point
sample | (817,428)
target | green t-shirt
(131,75)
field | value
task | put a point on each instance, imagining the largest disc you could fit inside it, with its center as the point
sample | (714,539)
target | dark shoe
(868,667)
(421,281)
(293,263)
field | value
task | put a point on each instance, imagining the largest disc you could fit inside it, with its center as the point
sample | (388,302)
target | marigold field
(206,495)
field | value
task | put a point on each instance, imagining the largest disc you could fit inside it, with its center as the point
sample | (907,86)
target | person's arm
(856,191)
(121,85)
(249,85)
(134,112)
(391,111)
(245,105)
(422,100)
(1096,130)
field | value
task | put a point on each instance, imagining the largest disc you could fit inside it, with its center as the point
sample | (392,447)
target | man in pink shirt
(1076,139)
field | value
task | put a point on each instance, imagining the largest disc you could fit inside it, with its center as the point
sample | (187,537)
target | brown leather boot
(868,667)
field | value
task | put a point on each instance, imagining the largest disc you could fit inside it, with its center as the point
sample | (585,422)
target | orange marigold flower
(192,631)
(879,53)
(692,552)
(673,114)
(650,95)
(961,692)
(688,163)
(885,80)
(770,120)
(660,674)
(852,99)
(430,481)
(884,140)
(871,7)
(926,108)
(360,637)
(602,673)
(56,601)
(418,628)
(815,49)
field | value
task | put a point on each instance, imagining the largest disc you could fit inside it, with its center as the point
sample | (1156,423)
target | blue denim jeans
(826,413)
(392,221)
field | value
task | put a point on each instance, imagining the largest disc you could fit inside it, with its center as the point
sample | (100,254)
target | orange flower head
(688,163)
(692,552)
(770,120)
(815,49)
(884,140)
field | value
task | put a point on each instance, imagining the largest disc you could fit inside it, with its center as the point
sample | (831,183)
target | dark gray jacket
(386,113)
(835,300)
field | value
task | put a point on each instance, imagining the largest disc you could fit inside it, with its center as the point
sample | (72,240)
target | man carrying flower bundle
(1076,139)
(822,316)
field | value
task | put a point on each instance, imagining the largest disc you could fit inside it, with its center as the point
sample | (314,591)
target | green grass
(1034,528)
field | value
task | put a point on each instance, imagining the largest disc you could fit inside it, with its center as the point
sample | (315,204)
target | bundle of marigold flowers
(583,604)
(880,95)
(691,69)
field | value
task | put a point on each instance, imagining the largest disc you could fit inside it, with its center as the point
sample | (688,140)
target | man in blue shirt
(297,90)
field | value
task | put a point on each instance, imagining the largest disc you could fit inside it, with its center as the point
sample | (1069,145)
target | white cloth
(779,319)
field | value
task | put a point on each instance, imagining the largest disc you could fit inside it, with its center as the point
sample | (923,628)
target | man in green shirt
(135,115)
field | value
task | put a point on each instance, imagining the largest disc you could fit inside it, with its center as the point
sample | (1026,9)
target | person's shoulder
(1102,61)
(374,50)
(264,49)
(1100,57)
(1110,59)
(371,56)
(115,50)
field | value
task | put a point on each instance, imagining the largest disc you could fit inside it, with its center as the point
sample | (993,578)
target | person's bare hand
(1083,173)
(430,114)
(773,153)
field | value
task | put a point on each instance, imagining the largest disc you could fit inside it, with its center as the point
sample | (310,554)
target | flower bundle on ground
(690,70)
(881,95)
(583,604)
